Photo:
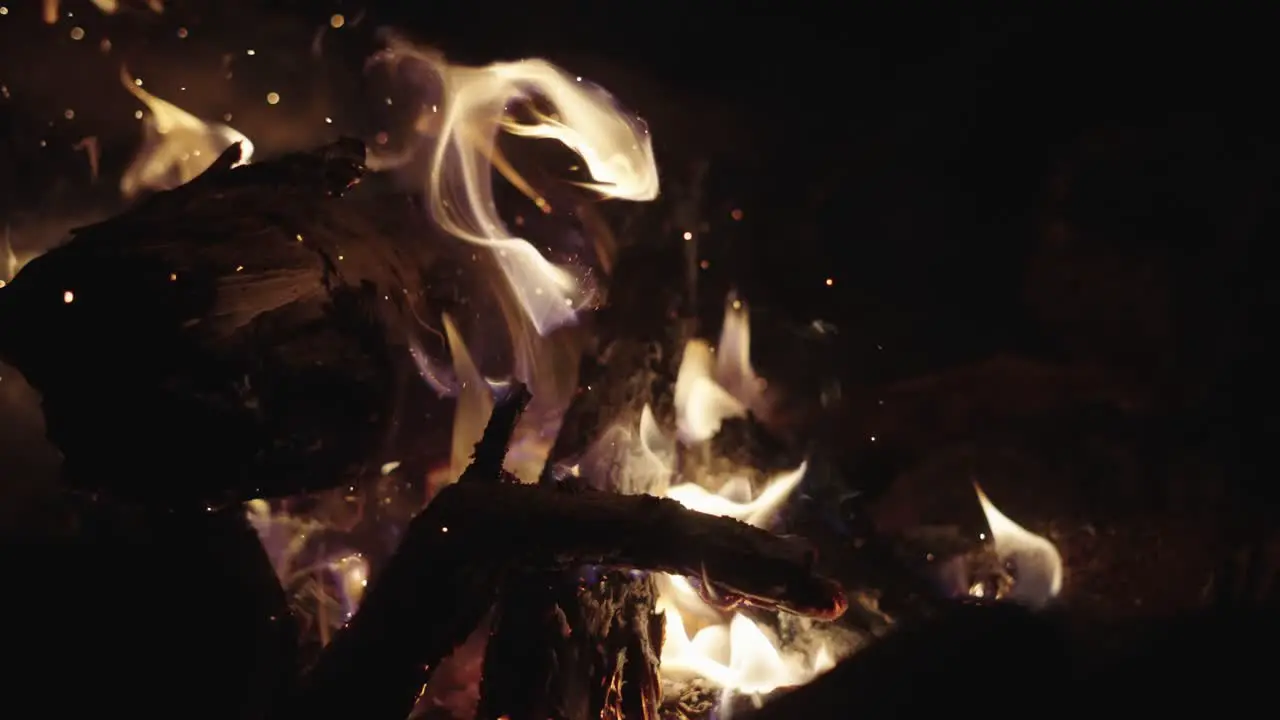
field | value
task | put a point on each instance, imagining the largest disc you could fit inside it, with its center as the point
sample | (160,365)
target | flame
(177,146)
(728,650)
(754,512)
(12,264)
(538,300)
(337,578)
(614,146)
(738,656)
(712,387)
(1033,560)
(475,403)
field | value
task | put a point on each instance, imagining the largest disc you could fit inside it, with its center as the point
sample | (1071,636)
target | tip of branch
(486,462)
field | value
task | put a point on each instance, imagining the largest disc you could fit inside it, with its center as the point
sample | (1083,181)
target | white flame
(12,263)
(475,403)
(727,649)
(715,385)
(738,656)
(755,512)
(614,146)
(1035,562)
(177,146)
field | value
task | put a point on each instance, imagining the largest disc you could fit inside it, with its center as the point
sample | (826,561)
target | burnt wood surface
(595,632)
(251,327)
(484,529)
(1059,664)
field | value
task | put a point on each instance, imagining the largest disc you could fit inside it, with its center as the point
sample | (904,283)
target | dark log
(971,658)
(636,355)
(593,627)
(457,552)
(250,327)
(938,667)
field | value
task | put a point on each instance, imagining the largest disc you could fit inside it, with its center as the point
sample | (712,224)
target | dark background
(1045,228)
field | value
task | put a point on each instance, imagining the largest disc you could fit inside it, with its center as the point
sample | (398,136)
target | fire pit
(496,462)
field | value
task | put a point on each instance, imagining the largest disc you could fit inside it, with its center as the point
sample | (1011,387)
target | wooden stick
(457,552)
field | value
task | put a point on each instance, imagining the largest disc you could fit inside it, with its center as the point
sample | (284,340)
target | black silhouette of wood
(595,634)
(478,533)
(250,327)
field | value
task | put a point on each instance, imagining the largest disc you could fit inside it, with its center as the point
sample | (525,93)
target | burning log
(599,628)
(480,532)
(251,324)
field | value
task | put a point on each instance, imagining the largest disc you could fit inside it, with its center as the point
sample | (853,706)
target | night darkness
(1025,246)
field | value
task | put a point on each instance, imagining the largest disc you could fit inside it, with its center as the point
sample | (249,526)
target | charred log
(565,651)
(598,629)
(478,534)
(458,551)
(252,324)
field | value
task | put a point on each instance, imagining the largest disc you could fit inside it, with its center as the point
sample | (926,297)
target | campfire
(600,530)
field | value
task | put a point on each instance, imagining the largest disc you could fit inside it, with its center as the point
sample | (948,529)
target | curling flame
(1033,560)
(614,146)
(177,145)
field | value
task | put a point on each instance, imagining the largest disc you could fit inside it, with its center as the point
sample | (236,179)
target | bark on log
(250,327)
(599,630)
